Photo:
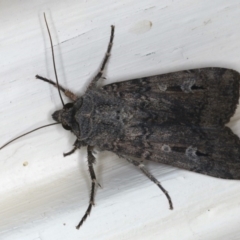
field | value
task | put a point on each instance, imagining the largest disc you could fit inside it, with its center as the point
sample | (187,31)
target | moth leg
(100,73)
(151,177)
(70,152)
(91,161)
(76,145)
(67,92)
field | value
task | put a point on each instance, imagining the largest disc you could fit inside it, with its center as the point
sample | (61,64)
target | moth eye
(68,105)
(66,127)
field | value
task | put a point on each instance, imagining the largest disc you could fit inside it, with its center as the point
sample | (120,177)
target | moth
(176,119)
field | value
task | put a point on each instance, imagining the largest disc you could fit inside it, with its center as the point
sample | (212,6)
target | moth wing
(210,151)
(202,97)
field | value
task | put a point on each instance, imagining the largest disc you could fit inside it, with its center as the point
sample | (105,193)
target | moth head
(64,116)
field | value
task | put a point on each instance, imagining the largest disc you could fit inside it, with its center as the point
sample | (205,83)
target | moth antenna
(53,59)
(48,125)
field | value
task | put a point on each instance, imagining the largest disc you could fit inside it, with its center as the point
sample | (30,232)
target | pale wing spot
(187,85)
(191,153)
(166,148)
(162,87)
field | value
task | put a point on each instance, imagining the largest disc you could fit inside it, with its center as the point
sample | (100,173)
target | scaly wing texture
(214,152)
(176,118)
(206,97)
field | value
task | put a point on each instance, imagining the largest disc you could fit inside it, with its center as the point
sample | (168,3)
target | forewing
(214,152)
(198,97)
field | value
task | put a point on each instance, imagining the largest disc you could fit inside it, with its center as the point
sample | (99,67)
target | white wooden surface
(45,199)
